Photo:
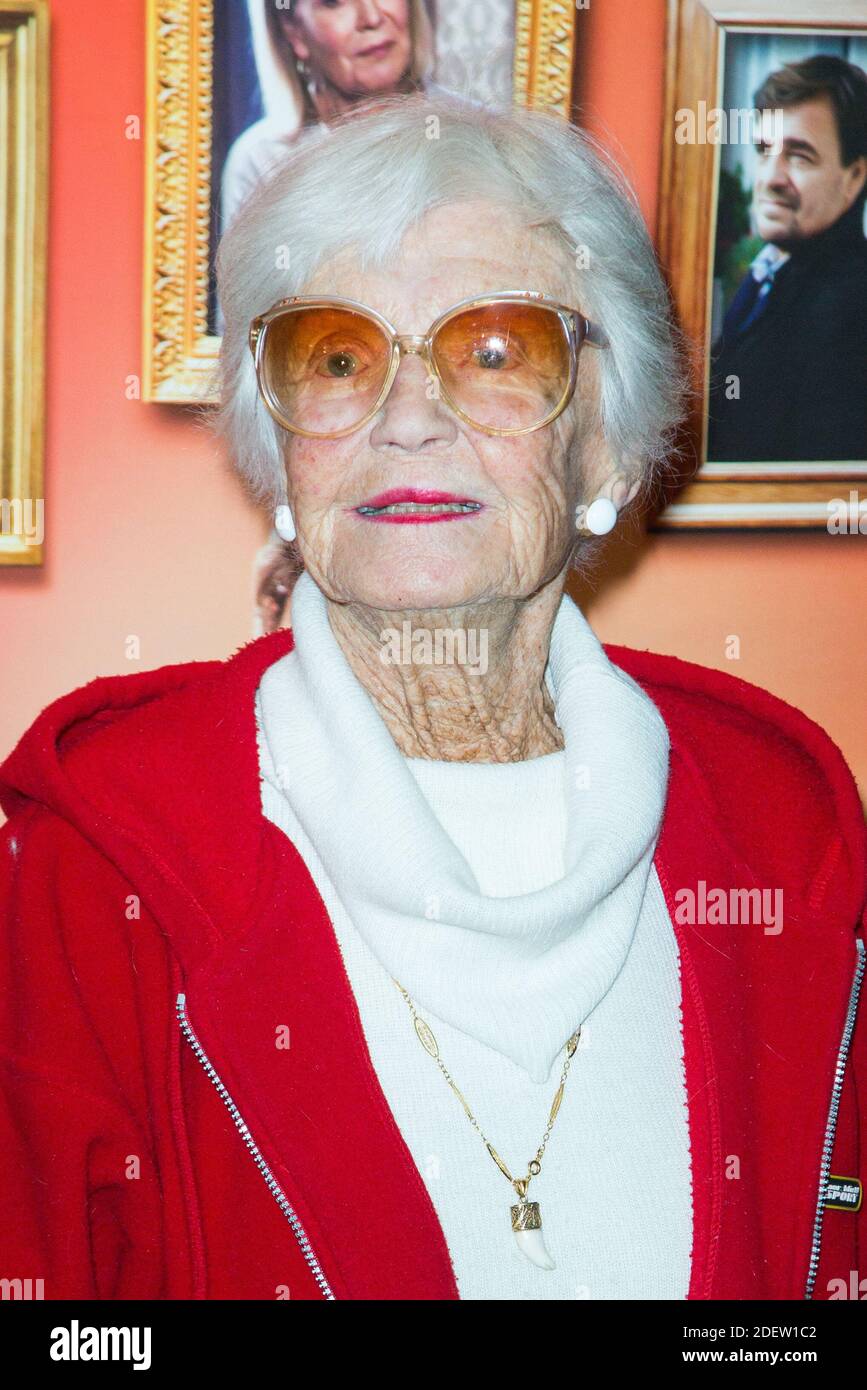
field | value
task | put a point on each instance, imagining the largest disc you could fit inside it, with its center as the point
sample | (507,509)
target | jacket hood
(159,770)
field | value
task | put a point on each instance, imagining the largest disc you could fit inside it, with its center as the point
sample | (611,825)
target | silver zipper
(831,1126)
(273,1186)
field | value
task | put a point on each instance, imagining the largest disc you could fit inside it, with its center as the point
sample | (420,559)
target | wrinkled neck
(458,684)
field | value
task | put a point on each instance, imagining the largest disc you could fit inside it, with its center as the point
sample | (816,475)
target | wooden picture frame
(732,495)
(179,352)
(24,106)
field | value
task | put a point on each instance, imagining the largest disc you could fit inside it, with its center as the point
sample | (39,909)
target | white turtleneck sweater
(527,883)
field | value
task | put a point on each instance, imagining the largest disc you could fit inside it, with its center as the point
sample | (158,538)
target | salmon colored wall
(148,534)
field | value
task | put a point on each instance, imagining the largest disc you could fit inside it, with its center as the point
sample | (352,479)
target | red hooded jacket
(158,929)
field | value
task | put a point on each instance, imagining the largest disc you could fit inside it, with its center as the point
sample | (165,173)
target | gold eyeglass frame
(579,330)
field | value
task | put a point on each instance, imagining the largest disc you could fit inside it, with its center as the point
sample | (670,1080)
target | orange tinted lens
(505,365)
(323,368)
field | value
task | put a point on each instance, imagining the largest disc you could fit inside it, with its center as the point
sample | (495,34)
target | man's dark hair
(845,86)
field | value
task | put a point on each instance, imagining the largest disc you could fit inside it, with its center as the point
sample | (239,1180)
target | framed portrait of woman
(762,232)
(232,84)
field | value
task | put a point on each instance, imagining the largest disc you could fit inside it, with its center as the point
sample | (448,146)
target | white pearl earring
(284,523)
(601,517)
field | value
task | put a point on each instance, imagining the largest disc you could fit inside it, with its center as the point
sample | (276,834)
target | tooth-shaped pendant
(527,1229)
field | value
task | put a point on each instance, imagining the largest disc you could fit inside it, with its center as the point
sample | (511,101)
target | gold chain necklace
(526,1217)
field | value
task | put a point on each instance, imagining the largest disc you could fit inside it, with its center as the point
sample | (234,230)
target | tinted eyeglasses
(506,363)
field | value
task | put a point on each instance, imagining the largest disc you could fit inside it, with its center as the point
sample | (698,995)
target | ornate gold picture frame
(702,48)
(24,79)
(179,344)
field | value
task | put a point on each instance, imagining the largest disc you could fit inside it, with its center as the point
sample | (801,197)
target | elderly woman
(505,966)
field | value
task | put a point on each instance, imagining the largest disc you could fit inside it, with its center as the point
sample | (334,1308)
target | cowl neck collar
(517,973)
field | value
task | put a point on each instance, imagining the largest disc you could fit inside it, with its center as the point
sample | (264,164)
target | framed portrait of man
(762,230)
(232,84)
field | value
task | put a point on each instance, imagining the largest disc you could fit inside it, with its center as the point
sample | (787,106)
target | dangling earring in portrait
(308,79)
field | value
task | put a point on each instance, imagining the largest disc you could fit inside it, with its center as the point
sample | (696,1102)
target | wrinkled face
(521,533)
(360,46)
(801,187)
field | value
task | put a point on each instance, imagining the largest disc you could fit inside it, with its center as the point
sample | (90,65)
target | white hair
(364,181)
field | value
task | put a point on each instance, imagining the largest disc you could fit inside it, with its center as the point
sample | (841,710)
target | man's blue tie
(748,304)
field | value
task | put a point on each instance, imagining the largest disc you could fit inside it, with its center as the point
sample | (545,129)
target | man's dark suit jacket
(802,365)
